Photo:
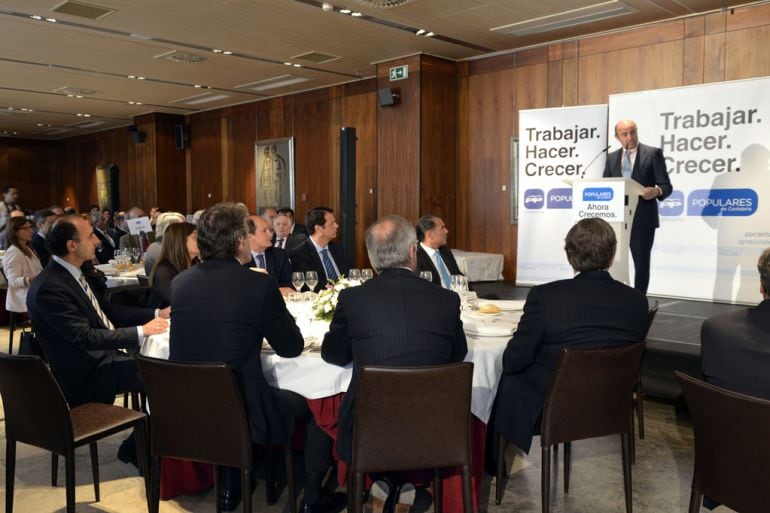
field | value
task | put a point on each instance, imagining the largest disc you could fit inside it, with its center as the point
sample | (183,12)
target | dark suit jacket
(398,320)
(305,258)
(299,229)
(589,310)
(38,244)
(425,263)
(132,241)
(649,170)
(219,313)
(81,348)
(292,241)
(277,264)
(735,350)
(106,251)
(160,295)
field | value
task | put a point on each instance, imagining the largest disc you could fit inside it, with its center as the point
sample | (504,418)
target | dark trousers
(641,247)
(318,449)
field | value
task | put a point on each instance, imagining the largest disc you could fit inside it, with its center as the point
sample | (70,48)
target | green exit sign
(399,72)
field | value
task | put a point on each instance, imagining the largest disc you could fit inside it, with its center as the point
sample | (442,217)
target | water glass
(426,275)
(366,274)
(355,275)
(298,280)
(311,279)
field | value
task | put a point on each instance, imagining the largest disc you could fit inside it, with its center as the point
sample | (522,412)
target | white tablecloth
(120,279)
(311,377)
(479,266)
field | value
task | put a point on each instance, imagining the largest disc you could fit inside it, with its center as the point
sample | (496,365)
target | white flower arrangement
(326,301)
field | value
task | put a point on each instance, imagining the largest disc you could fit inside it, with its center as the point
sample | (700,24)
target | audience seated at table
(735,346)
(395,319)
(165,219)
(318,252)
(141,241)
(264,256)
(295,228)
(284,236)
(221,312)
(20,263)
(590,310)
(433,254)
(178,252)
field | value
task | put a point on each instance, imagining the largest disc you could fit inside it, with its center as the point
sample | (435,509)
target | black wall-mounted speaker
(386,96)
(347,214)
(179,137)
(137,136)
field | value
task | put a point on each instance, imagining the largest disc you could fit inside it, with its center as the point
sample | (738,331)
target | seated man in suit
(590,310)
(283,237)
(735,346)
(296,229)
(264,256)
(140,241)
(105,250)
(433,254)
(318,253)
(44,220)
(429,330)
(221,313)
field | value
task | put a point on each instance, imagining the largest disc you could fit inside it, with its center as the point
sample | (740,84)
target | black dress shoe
(333,503)
(229,499)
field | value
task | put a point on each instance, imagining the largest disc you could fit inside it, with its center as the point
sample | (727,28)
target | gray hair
(221,228)
(389,242)
(165,219)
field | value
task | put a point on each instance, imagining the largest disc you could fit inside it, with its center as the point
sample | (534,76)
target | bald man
(647,166)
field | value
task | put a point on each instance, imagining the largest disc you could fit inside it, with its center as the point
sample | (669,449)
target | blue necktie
(626,167)
(327,261)
(261,261)
(446,280)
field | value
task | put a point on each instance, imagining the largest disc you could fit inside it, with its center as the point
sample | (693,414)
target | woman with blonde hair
(178,252)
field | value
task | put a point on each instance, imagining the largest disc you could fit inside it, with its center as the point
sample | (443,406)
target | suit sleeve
(449,260)
(460,346)
(283,271)
(525,343)
(607,166)
(161,283)
(300,260)
(709,361)
(662,179)
(279,327)
(336,348)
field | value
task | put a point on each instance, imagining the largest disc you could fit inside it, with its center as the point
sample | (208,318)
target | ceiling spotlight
(78,96)
(327,7)
(216,50)
(129,76)
(297,65)
(51,20)
(430,34)
(227,52)
(287,64)
(356,14)
(140,78)
(345,11)
(197,86)
(419,32)
(36,17)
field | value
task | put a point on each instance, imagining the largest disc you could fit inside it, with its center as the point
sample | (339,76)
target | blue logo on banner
(534,199)
(673,205)
(560,198)
(722,202)
(597,194)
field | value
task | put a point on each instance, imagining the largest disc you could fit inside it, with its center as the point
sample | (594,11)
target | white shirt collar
(74,271)
(429,250)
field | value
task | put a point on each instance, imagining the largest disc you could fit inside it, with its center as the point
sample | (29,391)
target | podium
(615,201)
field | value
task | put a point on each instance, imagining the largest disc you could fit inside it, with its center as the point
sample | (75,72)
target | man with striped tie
(84,334)
(318,253)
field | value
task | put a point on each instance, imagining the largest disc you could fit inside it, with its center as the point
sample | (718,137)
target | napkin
(476,324)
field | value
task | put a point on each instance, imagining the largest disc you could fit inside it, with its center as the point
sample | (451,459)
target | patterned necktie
(144,242)
(446,280)
(327,261)
(261,261)
(626,167)
(95,303)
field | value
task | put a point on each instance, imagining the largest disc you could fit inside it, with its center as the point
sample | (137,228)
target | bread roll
(489,308)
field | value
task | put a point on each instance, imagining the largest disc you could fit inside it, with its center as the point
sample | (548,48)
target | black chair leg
(499,485)
(10,473)
(217,487)
(626,452)
(69,478)
(246,489)
(437,491)
(545,479)
(270,485)
(633,435)
(154,497)
(288,459)
(12,328)
(567,464)
(143,455)
(54,469)
(95,468)
(358,492)
(467,494)
(640,405)
(695,500)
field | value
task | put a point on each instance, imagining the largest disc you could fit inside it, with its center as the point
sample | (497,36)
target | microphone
(593,160)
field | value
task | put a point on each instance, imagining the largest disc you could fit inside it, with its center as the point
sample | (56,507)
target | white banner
(715,139)
(554,145)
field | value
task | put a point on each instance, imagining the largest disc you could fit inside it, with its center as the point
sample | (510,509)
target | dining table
(323,385)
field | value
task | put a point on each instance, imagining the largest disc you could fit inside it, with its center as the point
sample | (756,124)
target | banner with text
(554,145)
(716,142)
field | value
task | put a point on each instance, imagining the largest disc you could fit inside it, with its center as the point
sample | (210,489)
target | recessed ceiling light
(51,20)
(430,34)
(419,32)
(297,65)
(36,17)
(356,14)
(227,52)
(287,63)
(140,78)
(345,11)
(131,76)
(198,86)
(216,50)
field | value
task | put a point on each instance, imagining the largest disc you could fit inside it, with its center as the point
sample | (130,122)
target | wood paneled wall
(27,165)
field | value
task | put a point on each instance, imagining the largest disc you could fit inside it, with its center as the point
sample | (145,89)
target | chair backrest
(651,313)
(412,417)
(732,447)
(590,393)
(36,412)
(196,412)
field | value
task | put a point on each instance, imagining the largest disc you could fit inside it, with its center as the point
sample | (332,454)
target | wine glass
(298,280)
(426,275)
(366,274)
(456,283)
(355,275)
(311,279)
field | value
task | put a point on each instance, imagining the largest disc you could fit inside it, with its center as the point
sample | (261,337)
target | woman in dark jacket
(179,251)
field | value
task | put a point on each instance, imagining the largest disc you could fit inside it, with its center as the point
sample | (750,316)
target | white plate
(492,314)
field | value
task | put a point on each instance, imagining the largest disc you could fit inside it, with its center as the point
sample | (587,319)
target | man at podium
(647,166)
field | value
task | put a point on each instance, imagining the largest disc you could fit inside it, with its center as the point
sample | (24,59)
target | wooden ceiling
(73,74)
